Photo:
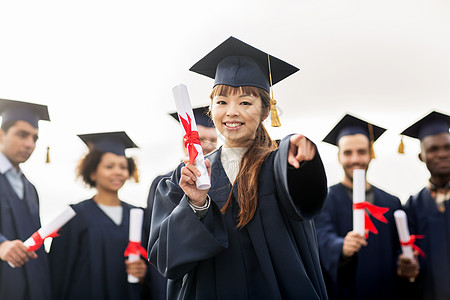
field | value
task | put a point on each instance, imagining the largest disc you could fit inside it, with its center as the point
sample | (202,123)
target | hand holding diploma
(191,138)
(408,266)
(135,267)
(15,253)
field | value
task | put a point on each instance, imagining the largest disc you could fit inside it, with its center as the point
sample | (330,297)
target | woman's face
(111,173)
(237,117)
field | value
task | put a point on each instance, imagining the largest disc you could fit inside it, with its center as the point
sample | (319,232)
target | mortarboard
(12,110)
(201,115)
(236,63)
(432,124)
(350,125)
(114,142)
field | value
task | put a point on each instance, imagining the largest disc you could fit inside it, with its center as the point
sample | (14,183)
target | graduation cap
(12,110)
(350,125)
(235,63)
(114,142)
(201,116)
(432,124)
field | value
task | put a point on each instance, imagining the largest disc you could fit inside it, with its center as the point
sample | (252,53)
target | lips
(233,125)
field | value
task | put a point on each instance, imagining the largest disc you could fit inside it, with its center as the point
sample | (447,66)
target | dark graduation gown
(157,284)
(371,274)
(19,219)
(87,259)
(275,256)
(424,218)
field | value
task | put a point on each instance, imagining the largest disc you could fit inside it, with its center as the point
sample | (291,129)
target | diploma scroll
(35,241)
(136,219)
(192,142)
(403,233)
(359,196)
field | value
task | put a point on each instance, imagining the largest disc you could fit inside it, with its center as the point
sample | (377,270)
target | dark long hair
(258,151)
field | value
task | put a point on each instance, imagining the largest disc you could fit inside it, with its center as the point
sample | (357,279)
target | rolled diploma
(184,108)
(53,226)
(359,195)
(136,219)
(403,232)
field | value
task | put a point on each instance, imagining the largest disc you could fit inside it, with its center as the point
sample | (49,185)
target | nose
(233,110)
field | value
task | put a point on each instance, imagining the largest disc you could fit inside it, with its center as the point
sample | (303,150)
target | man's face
(436,154)
(354,153)
(208,138)
(18,143)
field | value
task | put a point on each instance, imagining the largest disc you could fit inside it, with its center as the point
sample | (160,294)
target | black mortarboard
(350,125)
(114,142)
(12,110)
(432,124)
(236,63)
(201,116)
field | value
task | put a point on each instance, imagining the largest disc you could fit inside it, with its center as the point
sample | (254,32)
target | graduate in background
(87,260)
(208,139)
(19,205)
(250,236)
(356,268)
(429,210)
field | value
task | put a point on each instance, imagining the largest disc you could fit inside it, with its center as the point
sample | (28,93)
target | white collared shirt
(13,175)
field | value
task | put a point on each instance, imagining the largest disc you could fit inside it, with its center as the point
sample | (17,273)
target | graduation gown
(371,273)
(424,218)
(157,284)
(274,256)
(87,259)
(19,219)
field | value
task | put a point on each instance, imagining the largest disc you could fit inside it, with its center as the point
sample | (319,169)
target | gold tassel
(47,160)
(275,121)
(401,146)
(372,150)
(136,174)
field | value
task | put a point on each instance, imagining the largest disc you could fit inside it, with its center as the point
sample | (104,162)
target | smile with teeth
(233,124)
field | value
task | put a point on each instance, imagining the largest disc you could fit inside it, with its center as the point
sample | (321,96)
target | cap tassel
(401,146)
(275,120)
(372,150)
(47,160)
(136,175)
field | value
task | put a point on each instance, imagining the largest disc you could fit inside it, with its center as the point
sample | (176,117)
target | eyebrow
(242,96)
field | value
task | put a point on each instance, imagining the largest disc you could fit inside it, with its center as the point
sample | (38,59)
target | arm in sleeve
(179,240)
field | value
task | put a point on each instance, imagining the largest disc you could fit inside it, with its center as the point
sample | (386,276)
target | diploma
(134,247)
(191,138)
(50,230)
(359,196)
(403,233)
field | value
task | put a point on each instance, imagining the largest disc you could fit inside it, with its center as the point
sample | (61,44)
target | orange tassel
(48,155)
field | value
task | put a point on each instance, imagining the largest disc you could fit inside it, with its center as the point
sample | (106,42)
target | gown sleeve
(178,238)
(303,190)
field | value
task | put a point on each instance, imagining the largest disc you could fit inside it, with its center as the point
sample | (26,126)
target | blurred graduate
(429,210)
(208,140)
(23,274)
(87,260)
(356,267)
(250,236)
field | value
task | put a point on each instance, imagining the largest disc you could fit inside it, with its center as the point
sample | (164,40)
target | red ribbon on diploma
(136,249)
(376,211)
(38,240)
(190,138)
(411,242)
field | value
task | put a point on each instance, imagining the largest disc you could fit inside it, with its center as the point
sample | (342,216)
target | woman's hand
(300,149)
(136,268)
(188,178)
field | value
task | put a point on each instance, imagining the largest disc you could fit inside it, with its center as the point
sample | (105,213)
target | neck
(440,181)
(107,198)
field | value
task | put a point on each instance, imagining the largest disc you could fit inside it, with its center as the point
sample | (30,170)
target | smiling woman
(87,261)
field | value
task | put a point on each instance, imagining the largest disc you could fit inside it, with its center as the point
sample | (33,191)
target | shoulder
(385,196)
